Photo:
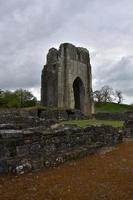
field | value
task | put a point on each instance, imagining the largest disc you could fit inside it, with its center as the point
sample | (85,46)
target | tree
(25,98)
(1,97)
(119,96)
(107,94)
(8,99)
(16,99)
(98,96)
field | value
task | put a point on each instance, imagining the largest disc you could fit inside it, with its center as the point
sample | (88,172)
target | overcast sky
(28,28)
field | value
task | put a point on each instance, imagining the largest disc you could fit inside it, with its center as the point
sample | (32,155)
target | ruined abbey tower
(66,79)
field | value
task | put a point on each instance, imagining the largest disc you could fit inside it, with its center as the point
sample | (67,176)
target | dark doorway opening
(79,93)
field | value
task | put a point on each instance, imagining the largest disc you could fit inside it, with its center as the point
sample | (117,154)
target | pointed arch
(79,93)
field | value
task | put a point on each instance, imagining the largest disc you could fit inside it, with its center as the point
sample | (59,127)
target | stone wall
(26,118)
(61,115)
(29,142)
(35,148)
(22,118)
(65,68)
(112,116)
(128,127)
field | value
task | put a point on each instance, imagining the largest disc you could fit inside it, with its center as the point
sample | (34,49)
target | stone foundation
(34,148)
(29,143)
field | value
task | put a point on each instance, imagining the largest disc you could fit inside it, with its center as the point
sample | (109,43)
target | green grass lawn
(94,122)
(113,107)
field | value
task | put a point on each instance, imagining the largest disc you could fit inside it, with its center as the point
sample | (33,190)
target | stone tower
(66,79)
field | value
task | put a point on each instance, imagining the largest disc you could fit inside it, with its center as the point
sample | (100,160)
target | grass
(99,107)
(113,107)
(39,106)
(94,122)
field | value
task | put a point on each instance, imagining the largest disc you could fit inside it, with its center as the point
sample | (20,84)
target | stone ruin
(128,126)
(35,139)
(67,80)
(29,143)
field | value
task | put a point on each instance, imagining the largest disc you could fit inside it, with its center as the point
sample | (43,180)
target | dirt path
(98,177)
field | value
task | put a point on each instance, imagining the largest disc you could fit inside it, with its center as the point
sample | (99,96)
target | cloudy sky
(28,28)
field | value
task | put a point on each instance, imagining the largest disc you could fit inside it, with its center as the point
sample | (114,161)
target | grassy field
(94,122)
(113,107)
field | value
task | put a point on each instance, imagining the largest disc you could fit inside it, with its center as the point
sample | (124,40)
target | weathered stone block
(22,150)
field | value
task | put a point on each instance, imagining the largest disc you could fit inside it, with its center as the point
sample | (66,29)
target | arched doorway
(79,93)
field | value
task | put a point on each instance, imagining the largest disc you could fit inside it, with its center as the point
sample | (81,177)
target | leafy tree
(25,98)
(1,98)
(16,99)
(7,99)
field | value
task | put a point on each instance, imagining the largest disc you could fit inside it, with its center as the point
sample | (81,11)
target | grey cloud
(24,29)
(29,28)
(21,74)
(118,75)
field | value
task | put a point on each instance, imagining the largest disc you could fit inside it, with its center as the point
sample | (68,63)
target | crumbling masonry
(66,79)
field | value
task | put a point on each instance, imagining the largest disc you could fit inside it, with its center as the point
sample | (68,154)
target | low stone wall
(31,140)
(76,114)
(61,114)
(128,127)
(22,118)
(35,148)
(113,116)
(10,115)
(50,114)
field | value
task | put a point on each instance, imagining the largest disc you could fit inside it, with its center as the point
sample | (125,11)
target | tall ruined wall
(64,67)
(49,89)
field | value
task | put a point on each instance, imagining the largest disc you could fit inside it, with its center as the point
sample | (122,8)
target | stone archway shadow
(79,94)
